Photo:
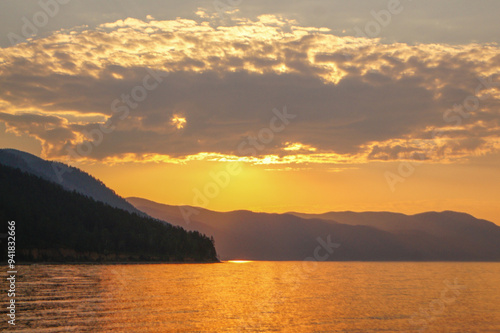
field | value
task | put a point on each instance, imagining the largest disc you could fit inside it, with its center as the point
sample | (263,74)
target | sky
(279,106)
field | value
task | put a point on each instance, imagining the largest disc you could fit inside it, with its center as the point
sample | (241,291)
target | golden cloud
(357,99)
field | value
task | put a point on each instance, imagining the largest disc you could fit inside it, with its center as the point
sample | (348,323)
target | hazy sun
(178,121)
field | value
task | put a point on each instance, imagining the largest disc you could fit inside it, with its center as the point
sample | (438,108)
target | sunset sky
(278,106)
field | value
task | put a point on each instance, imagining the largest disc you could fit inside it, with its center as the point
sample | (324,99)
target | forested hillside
(70,178)
(53,224)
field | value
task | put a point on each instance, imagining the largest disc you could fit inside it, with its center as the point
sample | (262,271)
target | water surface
(259,297)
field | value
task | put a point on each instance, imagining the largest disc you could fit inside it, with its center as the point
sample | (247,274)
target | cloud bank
(180,90)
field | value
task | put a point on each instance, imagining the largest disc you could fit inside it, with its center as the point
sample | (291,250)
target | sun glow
(178,121)
(239,261)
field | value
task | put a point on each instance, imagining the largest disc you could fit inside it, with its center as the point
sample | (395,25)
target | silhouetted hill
(259,236)
(53,224)
(453,230)
(435,223)
(385,236)
(71,178)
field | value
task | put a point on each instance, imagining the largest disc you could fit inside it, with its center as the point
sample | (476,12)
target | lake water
(258,297)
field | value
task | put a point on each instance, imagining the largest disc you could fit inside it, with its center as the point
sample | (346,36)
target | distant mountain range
(70,178)
(360,236)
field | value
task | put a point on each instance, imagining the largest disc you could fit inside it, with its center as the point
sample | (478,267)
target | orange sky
(464,188)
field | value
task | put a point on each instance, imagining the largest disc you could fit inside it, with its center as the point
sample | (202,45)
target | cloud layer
(180,90)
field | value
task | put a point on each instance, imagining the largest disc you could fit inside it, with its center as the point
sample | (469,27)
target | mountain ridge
(424,238)
(72,179)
